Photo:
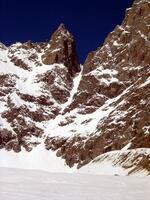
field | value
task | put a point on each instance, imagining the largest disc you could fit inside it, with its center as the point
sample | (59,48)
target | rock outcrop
(62,50)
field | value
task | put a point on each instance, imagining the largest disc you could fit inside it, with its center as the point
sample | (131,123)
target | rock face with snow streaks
(114,92)
(31,92)
(80,113)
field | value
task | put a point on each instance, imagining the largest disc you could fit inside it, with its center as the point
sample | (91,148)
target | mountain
(49,100)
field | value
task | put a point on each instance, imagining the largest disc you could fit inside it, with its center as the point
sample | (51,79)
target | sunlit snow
(36,185)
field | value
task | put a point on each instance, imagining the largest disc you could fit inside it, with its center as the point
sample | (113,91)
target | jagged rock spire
(62,50)
(61,27)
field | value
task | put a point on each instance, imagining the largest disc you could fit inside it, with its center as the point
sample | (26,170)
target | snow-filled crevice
(76,82)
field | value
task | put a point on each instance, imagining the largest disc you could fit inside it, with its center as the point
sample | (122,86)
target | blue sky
(89,21)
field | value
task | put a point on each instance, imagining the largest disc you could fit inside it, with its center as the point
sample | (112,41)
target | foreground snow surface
(18,184)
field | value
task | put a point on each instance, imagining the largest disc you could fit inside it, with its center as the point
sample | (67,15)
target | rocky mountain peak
(61,34)
(61,49)
(103,108)
(62,29)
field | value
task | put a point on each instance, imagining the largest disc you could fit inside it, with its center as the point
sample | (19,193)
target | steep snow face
(38,159)
(73,92)
(74,123)
(26,78)
(31,93)
(36,185)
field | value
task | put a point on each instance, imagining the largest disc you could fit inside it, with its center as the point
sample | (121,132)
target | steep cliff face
(62,50)
(117,64)
(105,106)
(112,101)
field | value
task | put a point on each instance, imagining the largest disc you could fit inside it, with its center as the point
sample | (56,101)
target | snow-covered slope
(38,159)
(123,162)
(37,185)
